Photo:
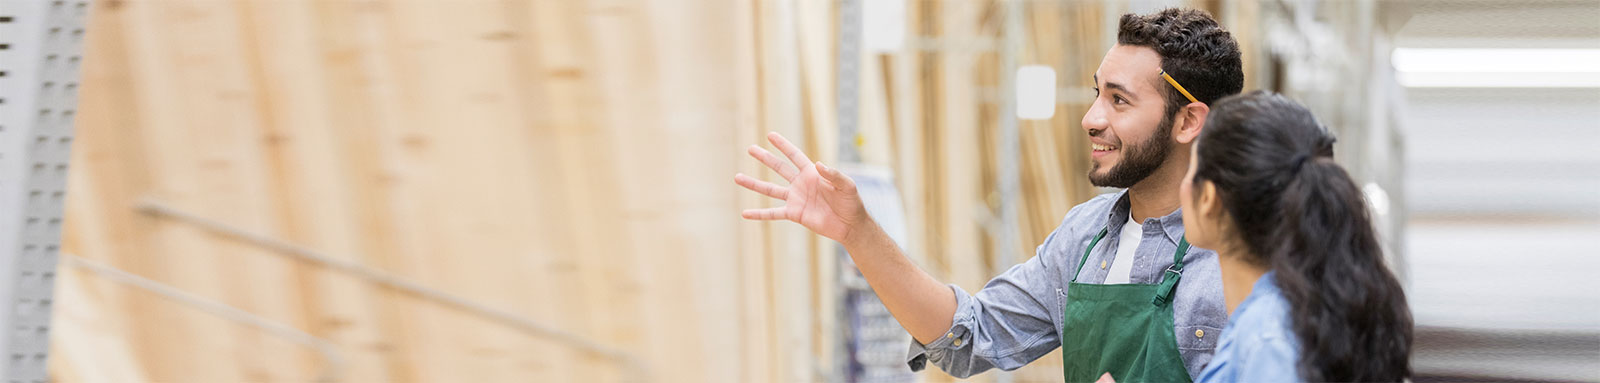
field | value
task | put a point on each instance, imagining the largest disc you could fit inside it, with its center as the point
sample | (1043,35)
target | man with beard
(1105,286)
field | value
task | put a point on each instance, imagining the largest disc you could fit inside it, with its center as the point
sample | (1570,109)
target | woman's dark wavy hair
(1300,215)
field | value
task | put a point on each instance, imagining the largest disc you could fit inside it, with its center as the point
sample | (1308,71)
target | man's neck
(1154,196)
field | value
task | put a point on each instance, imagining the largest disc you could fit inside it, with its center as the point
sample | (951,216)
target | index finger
(795,155)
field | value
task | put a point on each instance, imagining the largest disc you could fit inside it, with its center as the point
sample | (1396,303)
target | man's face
(1127,124)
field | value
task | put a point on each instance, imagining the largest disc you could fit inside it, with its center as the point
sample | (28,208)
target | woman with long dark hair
(1303,276)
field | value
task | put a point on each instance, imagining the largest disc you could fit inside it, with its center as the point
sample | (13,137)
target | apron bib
(1126,329)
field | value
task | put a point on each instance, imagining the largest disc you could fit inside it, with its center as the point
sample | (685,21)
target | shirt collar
(1267,283)
(1172,223)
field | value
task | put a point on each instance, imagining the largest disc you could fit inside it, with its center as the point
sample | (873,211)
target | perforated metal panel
(872,342)
(40,51)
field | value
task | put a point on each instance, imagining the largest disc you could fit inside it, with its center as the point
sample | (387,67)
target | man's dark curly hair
(1194,50)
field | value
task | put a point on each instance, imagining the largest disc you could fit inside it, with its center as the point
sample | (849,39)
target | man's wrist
(861,234)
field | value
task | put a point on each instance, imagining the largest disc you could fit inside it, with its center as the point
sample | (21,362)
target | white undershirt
(1121,271)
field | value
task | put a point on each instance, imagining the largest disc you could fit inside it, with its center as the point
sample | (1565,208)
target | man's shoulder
(1102,201)
(1094,210)
(1083,220)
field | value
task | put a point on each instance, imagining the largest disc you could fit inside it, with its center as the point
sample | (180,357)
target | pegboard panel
(874,342)
(40,52)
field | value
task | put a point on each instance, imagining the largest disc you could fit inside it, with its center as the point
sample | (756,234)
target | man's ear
(1190,120)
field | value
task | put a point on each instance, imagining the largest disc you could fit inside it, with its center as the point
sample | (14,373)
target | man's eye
(1118,100)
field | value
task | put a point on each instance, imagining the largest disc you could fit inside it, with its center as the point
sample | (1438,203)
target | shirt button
(1199,333)
(1102,264)
(950,335)
(957,343)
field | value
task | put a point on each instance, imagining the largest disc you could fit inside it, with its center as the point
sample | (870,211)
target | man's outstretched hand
(825,200)
(819,197)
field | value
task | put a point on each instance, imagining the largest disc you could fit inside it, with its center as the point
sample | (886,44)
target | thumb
(838,179)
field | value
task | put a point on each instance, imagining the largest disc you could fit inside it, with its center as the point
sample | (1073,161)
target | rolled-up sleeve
(1007,324)
(953,338)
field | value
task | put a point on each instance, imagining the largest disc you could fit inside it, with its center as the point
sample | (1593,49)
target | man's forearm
(922,304)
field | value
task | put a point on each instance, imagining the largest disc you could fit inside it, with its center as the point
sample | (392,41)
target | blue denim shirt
(1260,345)
(1017,316)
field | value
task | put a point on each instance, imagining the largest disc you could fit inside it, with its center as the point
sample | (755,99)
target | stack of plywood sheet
(568,162)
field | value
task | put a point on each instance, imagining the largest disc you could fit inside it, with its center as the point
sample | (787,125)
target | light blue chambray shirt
(1017,317)
(1259,345)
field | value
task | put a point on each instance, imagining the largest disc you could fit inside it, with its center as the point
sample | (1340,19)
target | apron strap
(1170,282)
(1097,238)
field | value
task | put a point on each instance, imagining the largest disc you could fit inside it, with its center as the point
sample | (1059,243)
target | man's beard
(1138,161)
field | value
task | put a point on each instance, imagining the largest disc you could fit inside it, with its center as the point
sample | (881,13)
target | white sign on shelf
(885,22)
(1036,92)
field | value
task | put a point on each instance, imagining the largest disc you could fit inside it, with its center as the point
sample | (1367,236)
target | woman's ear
(1209,203)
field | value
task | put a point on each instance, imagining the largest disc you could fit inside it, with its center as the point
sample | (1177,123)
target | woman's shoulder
(1263,337)
(1258,344)
(1265,312)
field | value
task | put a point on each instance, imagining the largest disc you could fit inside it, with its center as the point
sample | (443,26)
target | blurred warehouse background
(540,190)
(1503,187)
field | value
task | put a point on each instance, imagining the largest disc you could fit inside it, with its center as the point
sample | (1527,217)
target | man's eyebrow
(1124,89)
(1113,85)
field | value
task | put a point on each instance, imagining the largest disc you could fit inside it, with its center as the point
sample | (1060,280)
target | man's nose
(1095,120)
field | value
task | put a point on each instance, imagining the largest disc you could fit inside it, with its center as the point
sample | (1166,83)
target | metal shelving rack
(41,44)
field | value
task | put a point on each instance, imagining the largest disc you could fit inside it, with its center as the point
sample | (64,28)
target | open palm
(818,197)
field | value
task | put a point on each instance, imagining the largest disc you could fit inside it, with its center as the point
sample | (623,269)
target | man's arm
(922,304)
(824,200)
(1007,324)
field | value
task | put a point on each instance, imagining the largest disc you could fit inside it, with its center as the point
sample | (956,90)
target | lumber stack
(567,162)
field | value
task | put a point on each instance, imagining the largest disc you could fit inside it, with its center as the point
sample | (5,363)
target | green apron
(1125,329)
